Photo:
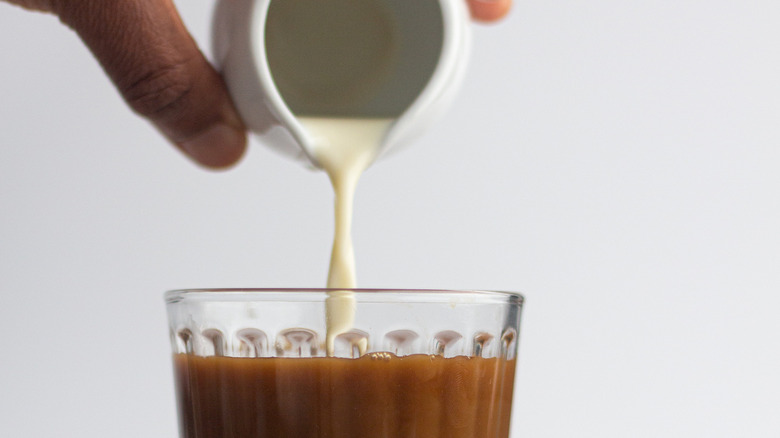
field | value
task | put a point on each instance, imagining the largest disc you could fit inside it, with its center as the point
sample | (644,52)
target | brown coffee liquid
(376,396)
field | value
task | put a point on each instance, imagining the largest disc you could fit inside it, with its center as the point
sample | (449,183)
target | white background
(617,161)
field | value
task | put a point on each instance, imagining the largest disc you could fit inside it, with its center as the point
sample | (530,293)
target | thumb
(147,52)
(489,10)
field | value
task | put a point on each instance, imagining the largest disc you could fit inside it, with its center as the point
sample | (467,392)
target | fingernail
(219,146)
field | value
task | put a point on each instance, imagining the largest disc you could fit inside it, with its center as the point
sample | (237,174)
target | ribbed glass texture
(417,363)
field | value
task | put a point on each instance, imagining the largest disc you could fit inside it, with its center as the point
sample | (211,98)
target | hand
(147,52)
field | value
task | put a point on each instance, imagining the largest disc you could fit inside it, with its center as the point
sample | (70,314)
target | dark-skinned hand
(156,65)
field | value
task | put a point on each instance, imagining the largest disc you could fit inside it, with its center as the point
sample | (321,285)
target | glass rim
(364,295)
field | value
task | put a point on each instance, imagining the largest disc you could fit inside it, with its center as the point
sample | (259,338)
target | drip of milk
(344,147)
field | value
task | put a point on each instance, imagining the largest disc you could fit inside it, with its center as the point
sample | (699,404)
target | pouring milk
(348,72)
(344,148)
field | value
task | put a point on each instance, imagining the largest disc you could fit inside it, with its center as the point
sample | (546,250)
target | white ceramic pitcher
(431,43)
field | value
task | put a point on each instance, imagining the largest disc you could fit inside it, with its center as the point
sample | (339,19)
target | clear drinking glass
(251,363)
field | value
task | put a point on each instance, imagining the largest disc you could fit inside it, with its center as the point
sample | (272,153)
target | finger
(33,5)
(157,67)
(489,10)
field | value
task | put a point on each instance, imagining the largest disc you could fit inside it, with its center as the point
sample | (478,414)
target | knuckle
(159,93)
